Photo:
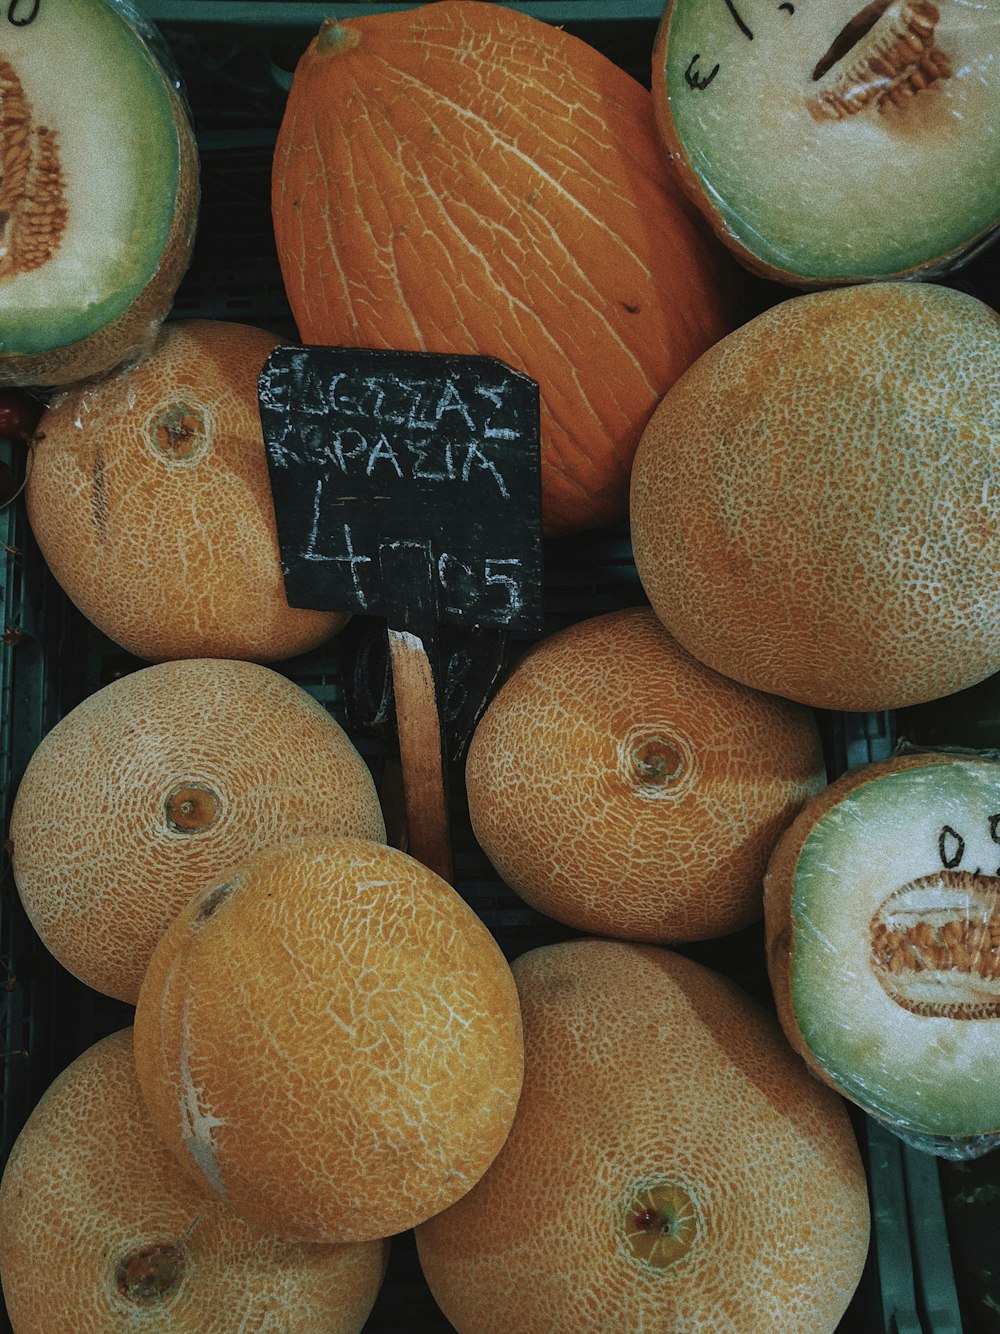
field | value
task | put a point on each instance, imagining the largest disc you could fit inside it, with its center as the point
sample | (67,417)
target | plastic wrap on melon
(882,910)
(99,189)
(158,45)
(840,142)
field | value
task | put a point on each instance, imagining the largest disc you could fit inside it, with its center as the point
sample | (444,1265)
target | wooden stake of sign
(472,661)
(407,577)
(407,485)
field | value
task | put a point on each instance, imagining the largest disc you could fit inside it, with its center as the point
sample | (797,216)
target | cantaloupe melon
(884,943)
(158,785)
(836,142)
(150,499)
(98,190)
(814,505)
(672,1165)
(101,1233)
(623,788)
(331,1041)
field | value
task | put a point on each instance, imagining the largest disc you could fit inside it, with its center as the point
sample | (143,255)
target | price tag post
(406,485)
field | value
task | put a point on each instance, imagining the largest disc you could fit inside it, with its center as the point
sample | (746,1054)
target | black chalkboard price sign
(407,485)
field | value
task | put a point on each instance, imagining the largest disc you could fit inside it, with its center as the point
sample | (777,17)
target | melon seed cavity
(32,194)
(935,945)
(894,56)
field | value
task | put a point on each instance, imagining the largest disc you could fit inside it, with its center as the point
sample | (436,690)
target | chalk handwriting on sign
(367,447)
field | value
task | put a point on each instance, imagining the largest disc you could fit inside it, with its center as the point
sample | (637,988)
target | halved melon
(98,192)
(882,905)
(836,142)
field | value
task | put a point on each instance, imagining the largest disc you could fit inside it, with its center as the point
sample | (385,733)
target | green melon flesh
(918,1048)
(887,164)
(79,78)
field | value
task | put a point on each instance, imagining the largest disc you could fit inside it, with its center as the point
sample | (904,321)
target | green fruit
(882,910)
(98,191)
(836,142)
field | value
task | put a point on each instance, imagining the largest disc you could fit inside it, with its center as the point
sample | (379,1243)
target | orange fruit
(813,503)
(158,785)
(331,1040)
(101,1234)
(465,178)
(672,1165)
(622,788)
(150,500)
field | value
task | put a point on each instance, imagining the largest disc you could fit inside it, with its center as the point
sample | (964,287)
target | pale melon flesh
(836,141)
(95,162)
(895,950)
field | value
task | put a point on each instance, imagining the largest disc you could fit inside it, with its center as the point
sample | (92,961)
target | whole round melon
(883,928)
(623,788)
(460,177)
(99,190)
(814,504)
(150,500)
(672,1165)
(158,785)
(330,1040)
(100,1233)
(836,142)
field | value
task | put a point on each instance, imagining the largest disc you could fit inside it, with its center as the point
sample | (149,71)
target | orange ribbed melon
(158,785)
(461,177)
(150,500)
(623,788)
(331,1040)
(672,1165)
(814,505)
(100,1233)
